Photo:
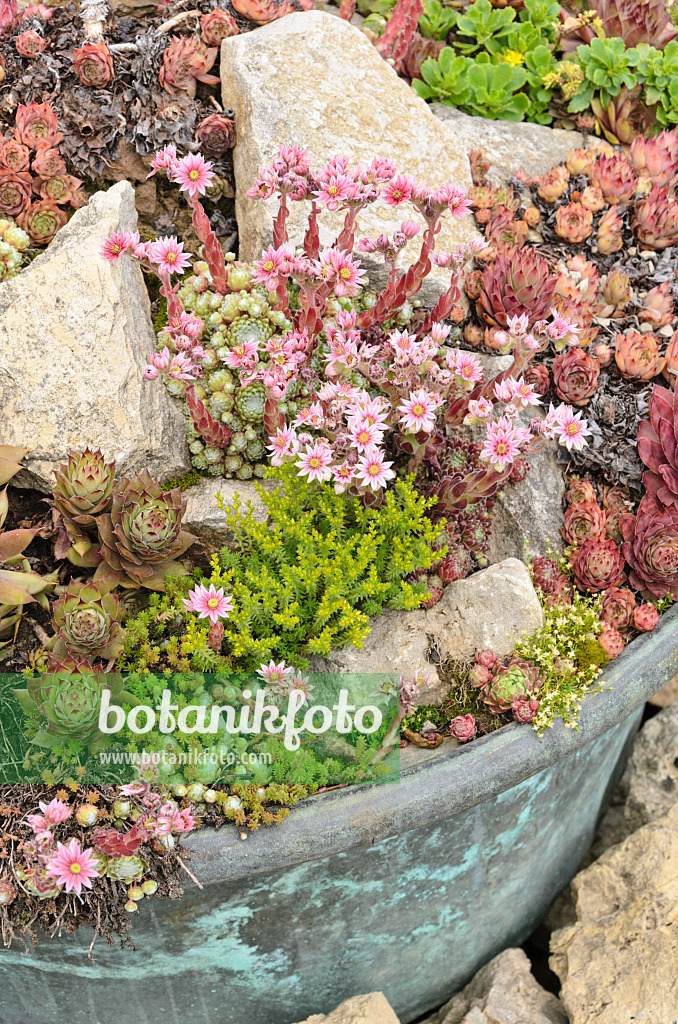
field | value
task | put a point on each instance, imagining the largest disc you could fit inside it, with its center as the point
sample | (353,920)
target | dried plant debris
(146,77)
(613,416)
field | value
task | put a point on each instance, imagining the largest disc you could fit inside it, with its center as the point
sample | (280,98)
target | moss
(160,320)
(421,714)
(189,479)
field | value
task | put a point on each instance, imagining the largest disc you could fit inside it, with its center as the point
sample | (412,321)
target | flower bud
(603,354)
(232,803)
(86,815)
(7,893)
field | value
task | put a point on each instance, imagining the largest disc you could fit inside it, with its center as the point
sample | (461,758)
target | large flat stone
(617,962)
(75,334)
(490,609)
(510,146)
(315,80)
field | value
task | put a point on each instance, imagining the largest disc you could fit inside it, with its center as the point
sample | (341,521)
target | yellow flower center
(373,470)
(332,190)
(345,273)
(170,257)
(314,463)
(75,869)
(194,175)
(213,602)
(514,57)
(418,410)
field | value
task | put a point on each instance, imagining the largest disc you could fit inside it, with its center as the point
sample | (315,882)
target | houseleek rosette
(87,619)
(65,701)
(141,537)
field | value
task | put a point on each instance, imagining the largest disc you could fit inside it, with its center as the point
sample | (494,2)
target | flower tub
(385,444)
(407,889)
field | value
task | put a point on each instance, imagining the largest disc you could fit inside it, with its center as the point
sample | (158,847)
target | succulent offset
(83,490)
(65,701)
(87,618)
(518,679)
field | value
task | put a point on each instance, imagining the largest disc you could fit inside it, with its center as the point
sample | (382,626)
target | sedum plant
(309,581)
(304,583)
(437,21)
(607,66)
(495,91)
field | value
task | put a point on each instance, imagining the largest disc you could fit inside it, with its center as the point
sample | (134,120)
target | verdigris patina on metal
(406,888)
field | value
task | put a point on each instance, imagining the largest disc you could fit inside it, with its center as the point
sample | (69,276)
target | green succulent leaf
(444,79)
(483,23)
(607,67)
(437,21)
(26,701)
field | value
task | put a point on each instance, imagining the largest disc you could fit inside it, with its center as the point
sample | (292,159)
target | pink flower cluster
(166,255)
(49,865)
(339,185)
(193,173)
(282,679)
(351,451)
(559,329)
(334,267)
(567,426)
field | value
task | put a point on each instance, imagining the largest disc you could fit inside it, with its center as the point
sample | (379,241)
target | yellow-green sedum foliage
(302,584)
